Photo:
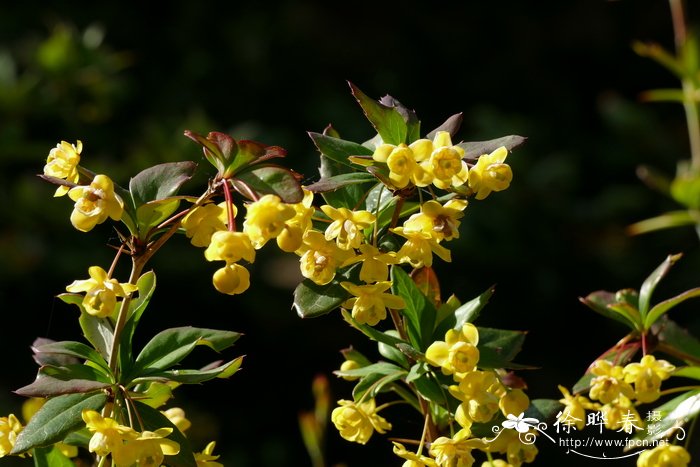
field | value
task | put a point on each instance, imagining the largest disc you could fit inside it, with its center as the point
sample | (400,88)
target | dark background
(128,80)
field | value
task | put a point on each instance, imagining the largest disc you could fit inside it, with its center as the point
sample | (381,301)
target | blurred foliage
(127,82)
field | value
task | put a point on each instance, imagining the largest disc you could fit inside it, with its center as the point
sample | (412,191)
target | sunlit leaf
(160,181)
(652,281)
(264,180)
(662,307)
(388,121)
(476,149)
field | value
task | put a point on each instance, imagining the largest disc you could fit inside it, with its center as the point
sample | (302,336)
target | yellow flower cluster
(356,421)
(101,292)
(10,427)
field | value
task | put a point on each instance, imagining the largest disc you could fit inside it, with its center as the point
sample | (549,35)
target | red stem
(229,207)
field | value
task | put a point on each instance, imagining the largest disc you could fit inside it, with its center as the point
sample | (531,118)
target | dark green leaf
(473,150)
(543,409)
(375,334)
(498,347)
(416,371)
(55,419)
(339,181)
(160,181)
(51,358)
(451,125)
(248,153)
(419,311)
(433,389)
(199,376)
(388,122)
(50,456)
(214,146)
(676,340)
(339,150)
(599,302)
(373,382)
(391,352)
(99,332)
(348,196)
(269,180)
(46,385)
(312,300)
(153,420)
(660,308)
(72,349)
(652,281)
(466,313)
(380,368)
(169,347)
(146,286)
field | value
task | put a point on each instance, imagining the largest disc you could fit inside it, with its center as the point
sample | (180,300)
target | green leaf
(338,181)
(660,308)
(373,378)
(388,122)
(152,213)
(160,181)
(374,334)
(312,300)
(419,311)
(685,189)
(146,286)
(46,385)
(665,221)
(169,347)
(348,196)
(50,457)
(391,352)
(652,281)
(99,332)
(543,409)
(474,150)
(498,347)
(599,302)
(673,338)
(675,413)
(466,313)
(73,349)
(51,358)
(409,116)
(662,95)
(264,180)
(692,372)
(382,368)
(339,150)
(199,376)
(55,419)
(217,147)
(153,420)
(433,389)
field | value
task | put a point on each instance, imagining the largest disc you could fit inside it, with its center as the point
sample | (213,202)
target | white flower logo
(520,423)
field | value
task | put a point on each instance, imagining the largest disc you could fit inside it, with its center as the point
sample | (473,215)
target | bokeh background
(128,80)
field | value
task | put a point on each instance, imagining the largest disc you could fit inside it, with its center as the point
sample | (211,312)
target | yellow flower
(665,455)
(412,459)
(230,247)
(575,408)
(621,415)
(455,451)
(403,162)
(419,248)
(320,258)
(292,236)
(201,223)
(232,279)
(265,219)
(147,449)
(10,427)
(349,365)
(177,417)
(441,222)
(445,163)
(458,353)
(647,376)
(63,163)
(609,383)
(514,402)
(101,292)
(95,203)
(490,173)
(375,264)
(357,422)
(496,463)
(369,303)
(108,436)
(347,226)
(477,391)
(206,457)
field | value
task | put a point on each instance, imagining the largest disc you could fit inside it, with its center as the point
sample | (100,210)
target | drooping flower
(292,236)
(178,418)
(647,376)
(101,292)
(232,279)
(201,223)
(370,302)
(108,435)
(441,222)
(265,219)
(514,401)
(147,449)
(320,257)
(490,173)
(457,353)
(455,451)
(666,455)
(347,226)
(357,422)
(95,203)
(10,427)
(206,458)
(419,248)
(230,246)
(375,264)
(63,163)
(412,459)
(609,383)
